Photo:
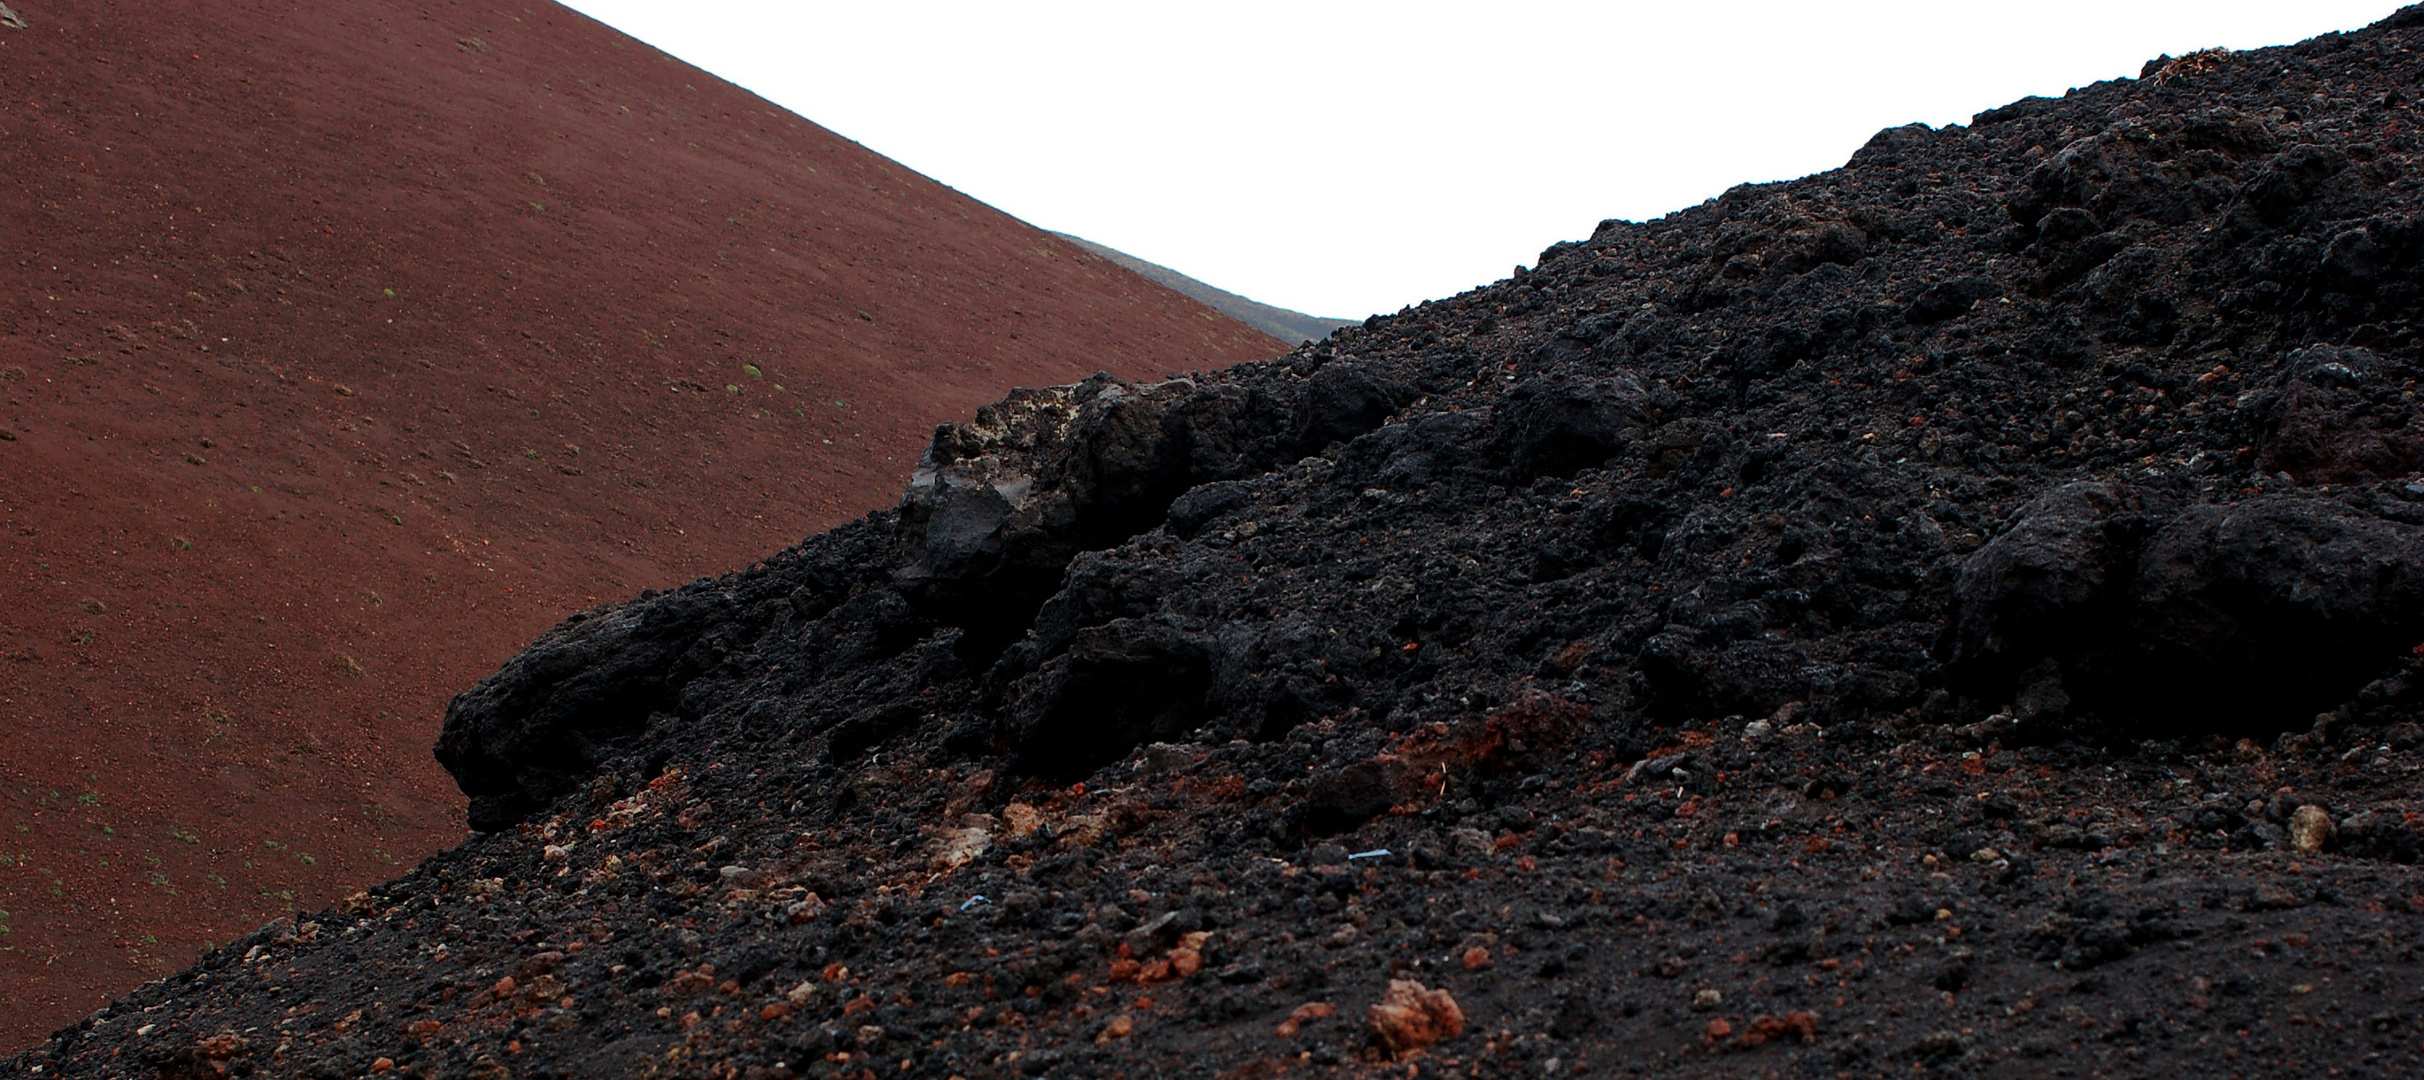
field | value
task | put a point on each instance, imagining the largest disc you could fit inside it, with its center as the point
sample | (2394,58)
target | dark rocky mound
(1953,615)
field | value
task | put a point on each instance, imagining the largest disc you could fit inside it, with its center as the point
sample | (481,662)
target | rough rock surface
(1956,614)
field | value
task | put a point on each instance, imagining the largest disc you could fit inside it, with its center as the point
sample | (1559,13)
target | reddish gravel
(345,347)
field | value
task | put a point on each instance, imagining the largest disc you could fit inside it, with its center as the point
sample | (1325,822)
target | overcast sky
(1348,157)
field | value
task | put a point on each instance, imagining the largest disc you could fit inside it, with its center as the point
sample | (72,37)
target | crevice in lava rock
(985,536)
(1117,687)
(1001,505)
(2110,611)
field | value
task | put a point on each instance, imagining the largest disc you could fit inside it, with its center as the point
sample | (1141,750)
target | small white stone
(2310,830)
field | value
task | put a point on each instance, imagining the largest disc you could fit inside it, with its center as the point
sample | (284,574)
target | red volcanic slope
(345,346)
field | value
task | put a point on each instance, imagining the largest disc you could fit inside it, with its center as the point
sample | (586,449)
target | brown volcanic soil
(347,347)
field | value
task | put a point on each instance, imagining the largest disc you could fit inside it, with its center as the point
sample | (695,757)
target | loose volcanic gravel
(1952,615)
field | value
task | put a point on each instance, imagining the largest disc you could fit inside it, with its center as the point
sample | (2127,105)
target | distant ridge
(1288,326)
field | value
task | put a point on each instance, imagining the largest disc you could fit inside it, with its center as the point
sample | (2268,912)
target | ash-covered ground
(1953,615)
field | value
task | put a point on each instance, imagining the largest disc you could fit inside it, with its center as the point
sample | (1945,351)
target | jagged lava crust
(1955,614)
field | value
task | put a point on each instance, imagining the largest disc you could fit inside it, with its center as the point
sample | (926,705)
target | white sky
(1343,157)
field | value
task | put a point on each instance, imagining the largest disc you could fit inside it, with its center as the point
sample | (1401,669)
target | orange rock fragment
(688,983)
(1766,1029)
(222,1046)
(1304,1014)
(1187,957)
(1120,1027)
(1124,969)
(1476,958)
(1718,1029)
(1184,963)
(1411,1017)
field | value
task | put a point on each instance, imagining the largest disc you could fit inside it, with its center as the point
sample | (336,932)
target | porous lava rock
(1952,614)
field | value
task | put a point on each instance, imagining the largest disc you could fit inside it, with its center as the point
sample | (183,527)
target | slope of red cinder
(345,346)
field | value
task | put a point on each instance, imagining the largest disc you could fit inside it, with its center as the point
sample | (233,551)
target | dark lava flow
(1956,615)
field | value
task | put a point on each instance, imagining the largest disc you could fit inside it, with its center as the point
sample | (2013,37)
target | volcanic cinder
(345,346)
(1953,615)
